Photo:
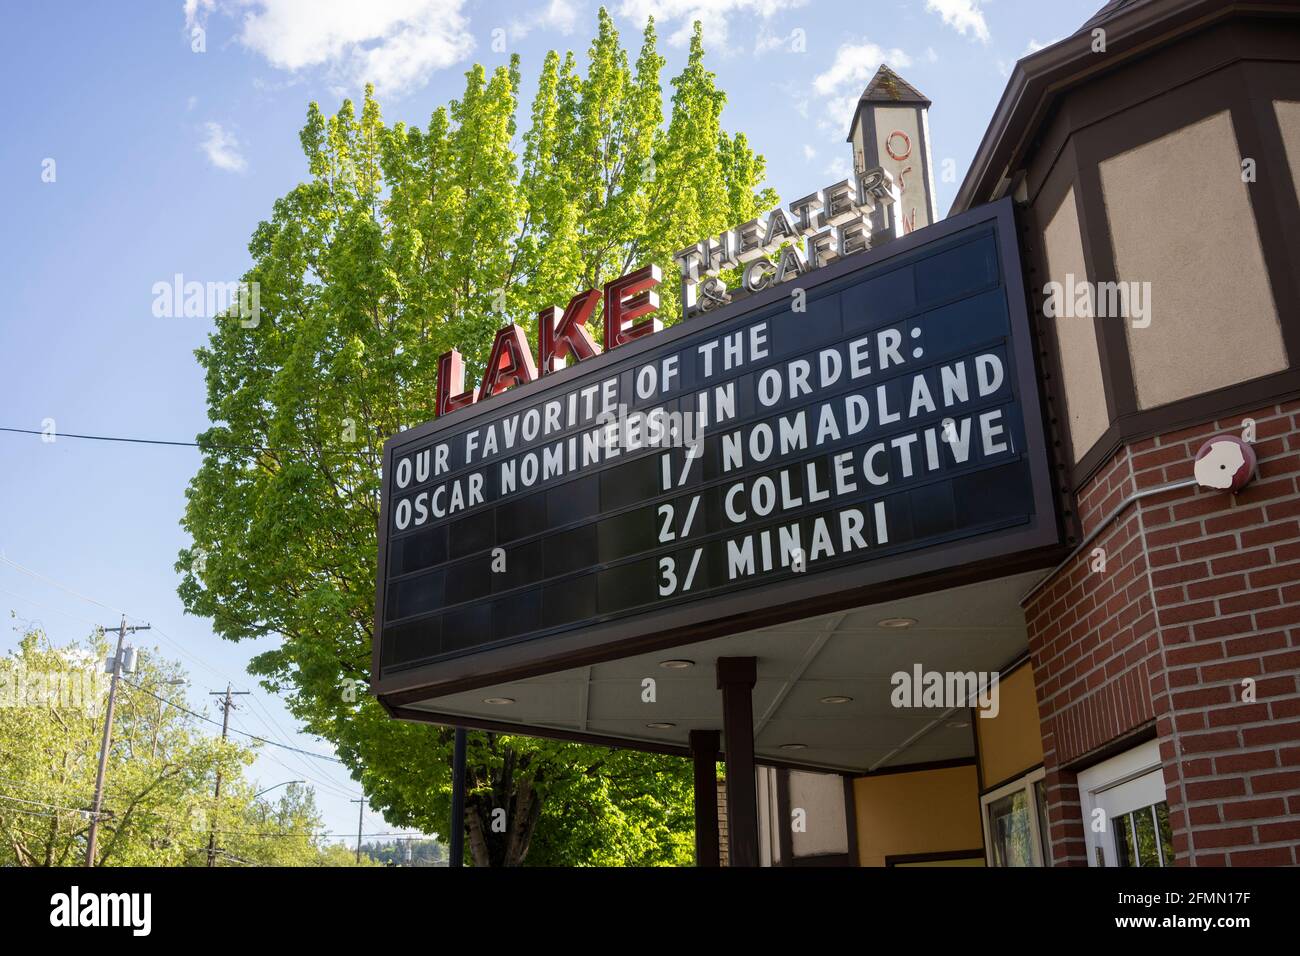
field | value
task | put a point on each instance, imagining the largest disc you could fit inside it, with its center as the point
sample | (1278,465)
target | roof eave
(1038,78)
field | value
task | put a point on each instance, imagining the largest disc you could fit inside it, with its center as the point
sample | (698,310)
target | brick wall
(1200,592)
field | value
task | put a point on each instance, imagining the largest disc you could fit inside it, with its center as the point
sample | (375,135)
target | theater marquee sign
(756,463)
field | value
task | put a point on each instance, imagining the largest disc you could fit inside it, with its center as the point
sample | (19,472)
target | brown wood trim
(736,679)
(1112,340)
(1056,420)
(918,767)
(704,753)
(784,824)
(973,717)
(897,859)
(985,791)
(580,737)
(825,859)
(851,820)
(1105,448)
(1038,80)
(1283,386)
(1205,74)
(1021,660)
(1273,197)
(1172,110)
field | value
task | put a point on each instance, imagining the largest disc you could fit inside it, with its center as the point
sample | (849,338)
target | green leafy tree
(406,852)
(158,808)
(405,242)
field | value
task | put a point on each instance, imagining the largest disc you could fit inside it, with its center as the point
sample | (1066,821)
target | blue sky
(164,160)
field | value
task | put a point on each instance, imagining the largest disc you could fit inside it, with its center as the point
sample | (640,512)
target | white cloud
(1034,46)
(855,64)
(842,83)
(395,44)
(839,168)
(558,15)
(808,152)
(964,16)
(222,148)
(767,40)
(714,16)
(930,55)
(196,12)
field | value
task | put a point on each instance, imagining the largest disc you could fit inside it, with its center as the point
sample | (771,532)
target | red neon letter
(627,299)
(561,336)
(451,378)
(509,364)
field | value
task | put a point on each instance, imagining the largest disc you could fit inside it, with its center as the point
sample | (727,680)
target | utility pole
(361,815)
(107,739)
(226,705)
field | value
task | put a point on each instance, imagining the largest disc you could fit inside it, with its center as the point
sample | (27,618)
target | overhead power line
(202,446)
(62,587)
(38,803)
(217,723)
(157,630)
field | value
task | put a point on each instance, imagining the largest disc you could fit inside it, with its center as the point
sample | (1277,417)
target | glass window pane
(1009,828)
(1040,798)
(1122,828)
(1145,824)
(1166,832)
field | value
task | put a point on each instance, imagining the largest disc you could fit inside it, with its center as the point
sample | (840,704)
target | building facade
(1143,165)
(1137,698)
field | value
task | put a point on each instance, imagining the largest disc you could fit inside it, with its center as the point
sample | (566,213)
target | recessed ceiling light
(837,699)
(677,664)
(661,725)
(794,746)
(498,700)
(896,622)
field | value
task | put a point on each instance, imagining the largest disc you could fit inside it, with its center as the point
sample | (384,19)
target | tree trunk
(523,821)
(478,844)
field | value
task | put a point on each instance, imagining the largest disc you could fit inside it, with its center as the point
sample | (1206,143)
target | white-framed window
(1014,817)
(1125,814)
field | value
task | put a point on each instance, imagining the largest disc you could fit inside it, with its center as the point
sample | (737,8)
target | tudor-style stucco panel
(1180,219)
(1076,338)
(1288,119)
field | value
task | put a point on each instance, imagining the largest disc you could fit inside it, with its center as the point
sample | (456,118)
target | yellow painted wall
(1011,742)
(929,811)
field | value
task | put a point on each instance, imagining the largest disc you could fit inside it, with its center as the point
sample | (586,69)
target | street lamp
(269,789)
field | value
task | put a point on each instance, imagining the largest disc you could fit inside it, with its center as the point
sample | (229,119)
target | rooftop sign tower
(891,129)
